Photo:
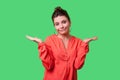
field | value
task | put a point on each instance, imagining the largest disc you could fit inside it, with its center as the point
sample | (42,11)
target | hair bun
(58,8)
(58,11)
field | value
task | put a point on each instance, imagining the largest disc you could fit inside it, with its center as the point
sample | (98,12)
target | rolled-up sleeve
(45,54)
(82,50)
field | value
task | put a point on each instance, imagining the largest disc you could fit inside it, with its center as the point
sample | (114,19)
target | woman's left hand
(90,39)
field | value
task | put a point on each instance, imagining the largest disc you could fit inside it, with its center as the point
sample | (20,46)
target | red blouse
(62,63)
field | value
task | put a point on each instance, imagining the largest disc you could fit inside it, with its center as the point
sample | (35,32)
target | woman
(62,54)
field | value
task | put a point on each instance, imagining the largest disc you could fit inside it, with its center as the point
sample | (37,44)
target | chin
(63,33)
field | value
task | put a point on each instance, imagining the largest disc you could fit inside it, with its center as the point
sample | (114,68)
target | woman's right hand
(35,39)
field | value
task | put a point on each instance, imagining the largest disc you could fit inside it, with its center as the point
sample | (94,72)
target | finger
(29,37)
(94,38)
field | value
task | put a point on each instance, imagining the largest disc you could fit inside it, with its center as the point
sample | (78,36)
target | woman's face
(62,25)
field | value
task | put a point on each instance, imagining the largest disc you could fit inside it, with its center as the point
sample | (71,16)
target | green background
(19,58)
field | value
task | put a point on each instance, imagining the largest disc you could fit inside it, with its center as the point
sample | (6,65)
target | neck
(63,37)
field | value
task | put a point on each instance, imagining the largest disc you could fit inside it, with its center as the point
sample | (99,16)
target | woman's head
(60,12)
(61,21)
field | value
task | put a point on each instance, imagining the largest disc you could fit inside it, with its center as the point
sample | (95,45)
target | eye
(64,21)
(56,24)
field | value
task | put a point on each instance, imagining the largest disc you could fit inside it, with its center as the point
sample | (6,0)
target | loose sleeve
(81,55)
(45,54)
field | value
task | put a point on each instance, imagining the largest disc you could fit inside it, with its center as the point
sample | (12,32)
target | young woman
(62,54)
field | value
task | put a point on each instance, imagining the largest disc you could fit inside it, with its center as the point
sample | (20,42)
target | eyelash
(63,21)
(58,23)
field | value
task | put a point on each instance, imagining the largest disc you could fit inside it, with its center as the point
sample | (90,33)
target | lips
(62,30)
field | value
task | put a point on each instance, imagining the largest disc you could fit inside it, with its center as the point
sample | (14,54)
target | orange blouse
(62,63)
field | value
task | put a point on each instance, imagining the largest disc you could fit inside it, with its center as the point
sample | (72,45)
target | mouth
(62,30)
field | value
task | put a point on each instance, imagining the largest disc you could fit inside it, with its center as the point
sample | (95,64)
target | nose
(61,26)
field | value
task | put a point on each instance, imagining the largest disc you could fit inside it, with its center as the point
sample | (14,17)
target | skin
(62,26)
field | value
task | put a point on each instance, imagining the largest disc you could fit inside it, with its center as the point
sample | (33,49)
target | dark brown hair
(60,12)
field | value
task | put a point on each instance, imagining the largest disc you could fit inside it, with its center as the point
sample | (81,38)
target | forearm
(46,56)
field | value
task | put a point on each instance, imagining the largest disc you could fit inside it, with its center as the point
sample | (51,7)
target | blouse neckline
(61,42)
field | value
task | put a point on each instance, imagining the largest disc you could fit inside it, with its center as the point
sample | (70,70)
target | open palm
(35,39)
(90,39)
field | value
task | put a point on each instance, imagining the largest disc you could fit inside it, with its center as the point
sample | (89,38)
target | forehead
(60,18)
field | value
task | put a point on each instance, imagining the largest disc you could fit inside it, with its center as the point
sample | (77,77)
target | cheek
(56,27)
(67,25)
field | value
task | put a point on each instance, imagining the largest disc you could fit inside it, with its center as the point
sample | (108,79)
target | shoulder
(80,42)
(50,37)
(77,39)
